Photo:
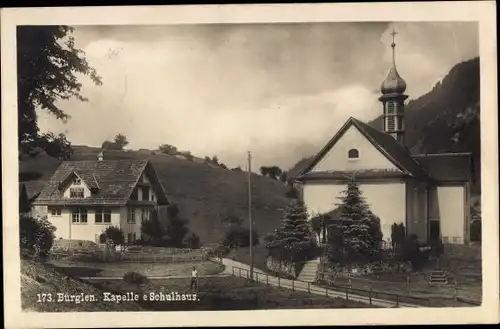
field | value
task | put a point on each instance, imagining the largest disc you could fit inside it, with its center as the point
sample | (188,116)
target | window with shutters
(391,108)
(400,123)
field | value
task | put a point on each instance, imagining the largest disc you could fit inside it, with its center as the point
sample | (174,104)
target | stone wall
(366,269)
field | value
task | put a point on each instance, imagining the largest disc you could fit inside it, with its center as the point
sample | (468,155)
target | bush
(475,231)
(36,235)
(135,278)
(115,234)
(239,237)
(411,252)
(193,241)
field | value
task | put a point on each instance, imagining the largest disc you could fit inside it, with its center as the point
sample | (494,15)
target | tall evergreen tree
(356,235)
(294,238)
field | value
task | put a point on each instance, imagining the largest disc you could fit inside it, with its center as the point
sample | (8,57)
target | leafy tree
(237,169)
(152,231)
(398,236)
(275,172)
(120,141)
(36,235)
(24,204)
(115,234)
(176,227)
(109,145)
(56,146)
(215,160)
(193,241)
(284,177)
(188,156)
(47,64)
(168,149)
(235,235)
(356,233)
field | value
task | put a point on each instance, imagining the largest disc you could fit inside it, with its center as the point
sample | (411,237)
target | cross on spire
(393,33)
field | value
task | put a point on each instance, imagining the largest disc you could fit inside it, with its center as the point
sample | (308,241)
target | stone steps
(309,271)
(437,278)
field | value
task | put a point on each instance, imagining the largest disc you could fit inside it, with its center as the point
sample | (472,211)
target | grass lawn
(230,293)
(461,263)
(242,255)
(118,269)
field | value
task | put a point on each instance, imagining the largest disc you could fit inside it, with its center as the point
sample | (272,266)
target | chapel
(428,193)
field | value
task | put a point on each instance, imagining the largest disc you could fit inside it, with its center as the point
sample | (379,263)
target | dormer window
(76,192)
(353,154)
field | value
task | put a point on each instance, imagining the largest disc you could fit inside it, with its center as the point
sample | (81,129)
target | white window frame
(77,181)
(104,214)
(73,192)
(78,214)
(55,211)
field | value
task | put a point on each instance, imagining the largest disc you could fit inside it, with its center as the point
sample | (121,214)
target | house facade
(428,193)
(83,198)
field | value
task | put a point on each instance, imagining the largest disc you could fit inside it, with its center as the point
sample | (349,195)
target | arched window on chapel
(353,154)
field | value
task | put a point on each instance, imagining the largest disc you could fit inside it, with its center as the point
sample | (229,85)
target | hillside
(431,118)
(204,193)
(37,279)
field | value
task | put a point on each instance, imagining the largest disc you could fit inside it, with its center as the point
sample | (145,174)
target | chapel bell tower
(393,99)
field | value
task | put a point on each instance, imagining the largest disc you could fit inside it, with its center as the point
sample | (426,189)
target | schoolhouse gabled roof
(385,143)
(111,181)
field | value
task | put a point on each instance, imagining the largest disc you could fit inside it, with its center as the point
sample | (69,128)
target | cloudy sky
(279,90)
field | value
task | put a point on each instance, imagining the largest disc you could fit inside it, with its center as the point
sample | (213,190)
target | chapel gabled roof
(112,182)
(386,144)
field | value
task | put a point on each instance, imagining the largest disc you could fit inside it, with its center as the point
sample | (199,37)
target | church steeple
(393,97)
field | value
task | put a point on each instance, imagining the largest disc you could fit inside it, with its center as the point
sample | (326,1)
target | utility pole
(250,212)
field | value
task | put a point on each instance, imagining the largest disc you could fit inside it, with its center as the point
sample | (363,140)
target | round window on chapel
(353,154)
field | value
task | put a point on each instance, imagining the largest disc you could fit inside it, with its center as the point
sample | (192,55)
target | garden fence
(409,286)
(369,297)
(134,255)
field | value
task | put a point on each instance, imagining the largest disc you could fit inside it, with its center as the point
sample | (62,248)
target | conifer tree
(294,237)
(357,234)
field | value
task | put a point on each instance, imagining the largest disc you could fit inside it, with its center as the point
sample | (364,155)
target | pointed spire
(393,83)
